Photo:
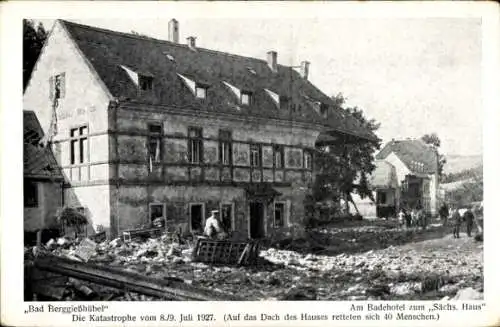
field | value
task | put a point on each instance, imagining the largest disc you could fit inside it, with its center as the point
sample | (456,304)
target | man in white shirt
(212,225)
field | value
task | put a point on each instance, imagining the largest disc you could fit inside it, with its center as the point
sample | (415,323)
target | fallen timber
(167,289)
(225,252)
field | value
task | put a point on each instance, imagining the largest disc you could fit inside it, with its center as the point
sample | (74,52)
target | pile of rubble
(433,269)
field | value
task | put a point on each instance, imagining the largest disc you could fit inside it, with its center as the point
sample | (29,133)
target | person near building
(469,221)
(213,227)
(457,221)
(443,213)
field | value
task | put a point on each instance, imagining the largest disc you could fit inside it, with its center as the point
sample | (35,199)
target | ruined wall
(95,199)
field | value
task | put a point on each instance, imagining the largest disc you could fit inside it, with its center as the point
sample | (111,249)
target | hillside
(458,163)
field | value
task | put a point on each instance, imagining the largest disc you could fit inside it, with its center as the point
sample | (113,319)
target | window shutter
(62,85)
(51,88)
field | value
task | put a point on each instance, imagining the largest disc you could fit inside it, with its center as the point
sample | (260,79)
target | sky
(414,75)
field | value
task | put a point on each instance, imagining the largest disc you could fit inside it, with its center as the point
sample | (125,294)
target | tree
(33,40)
(435,142)
(345,166)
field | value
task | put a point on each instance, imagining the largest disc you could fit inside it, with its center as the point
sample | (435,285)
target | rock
(378,290)
(468,294)
(300,294)
(50,244)
(177,260)
(449,288)
(61,241)
(116,242)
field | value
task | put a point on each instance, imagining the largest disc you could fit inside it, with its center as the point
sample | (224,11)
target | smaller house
(416,165)
(43,180)
(385,191)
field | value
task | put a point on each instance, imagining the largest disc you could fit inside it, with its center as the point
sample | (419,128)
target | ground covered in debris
(356,261)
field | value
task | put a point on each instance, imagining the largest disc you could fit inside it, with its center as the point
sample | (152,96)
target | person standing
(457,221)
(469,221)
(213,227)
(443,213)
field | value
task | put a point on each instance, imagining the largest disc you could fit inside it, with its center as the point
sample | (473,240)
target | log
(131,281)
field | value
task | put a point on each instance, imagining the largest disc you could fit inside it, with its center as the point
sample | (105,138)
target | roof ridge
(150,38)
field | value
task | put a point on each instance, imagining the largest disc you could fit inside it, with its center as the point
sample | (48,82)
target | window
(157,210)
(201,91)
(323,110)
(195,145)
(382,198)
(196,217)
(154,144)
(278,156)
(225,147)
(279,214)
(255,155)
(307,160)
(79,145)
(246,98)
(226,210)
(30,194)
(145,83)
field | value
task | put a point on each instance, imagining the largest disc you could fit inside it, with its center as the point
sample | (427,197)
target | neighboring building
(417,172)
(385,192)
(145,128)
(43,180)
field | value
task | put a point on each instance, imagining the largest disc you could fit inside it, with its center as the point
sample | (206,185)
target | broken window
(227,216)
(225,147)
(278,156)
(30,194)
(279,214)
(79,145)
(246,98)
(57,86)
(201,91)
(154,144)
(255,159)
(307,160)
(195,145)
(145,83)
(157,211)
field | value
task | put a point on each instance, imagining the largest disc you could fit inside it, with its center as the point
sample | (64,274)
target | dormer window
(201,91)
(284,102)
(246,98)
(145,83)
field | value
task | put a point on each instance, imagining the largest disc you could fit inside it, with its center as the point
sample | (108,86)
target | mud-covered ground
(355,261)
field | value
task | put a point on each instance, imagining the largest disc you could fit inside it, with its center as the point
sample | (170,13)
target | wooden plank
(128,280)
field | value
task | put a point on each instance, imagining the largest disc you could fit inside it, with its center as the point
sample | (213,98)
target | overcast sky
(414,76)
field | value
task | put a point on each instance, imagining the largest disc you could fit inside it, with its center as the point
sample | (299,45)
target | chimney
(304,69)
(173,31)
(272,60)
(191,42)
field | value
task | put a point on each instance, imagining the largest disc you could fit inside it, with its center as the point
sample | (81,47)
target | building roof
(415,154)
(38,161)
(383,175)
(114,55)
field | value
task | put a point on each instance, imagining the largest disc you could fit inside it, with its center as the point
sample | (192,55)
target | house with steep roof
(43,180)
(386,192)
(417,172)
(145,128)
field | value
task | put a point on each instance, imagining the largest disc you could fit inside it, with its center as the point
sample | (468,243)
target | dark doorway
(257,220)
(196,217)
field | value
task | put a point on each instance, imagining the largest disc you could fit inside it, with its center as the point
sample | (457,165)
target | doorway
(196,215)
(257,227)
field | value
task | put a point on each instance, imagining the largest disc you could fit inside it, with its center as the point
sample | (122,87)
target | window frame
(197,139)
(233,223)
(278,148)
(164,210)
(36,194)
(157,137)
(257,147)
(307,154)
(76,141)
(284,218)
(199,86)
(226,139)
(248,94)
(203,215)
(145,80)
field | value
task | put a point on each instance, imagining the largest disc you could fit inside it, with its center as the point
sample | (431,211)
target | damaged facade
(145,128)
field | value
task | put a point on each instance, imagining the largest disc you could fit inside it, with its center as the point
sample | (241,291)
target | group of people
(457,219)
(415,217)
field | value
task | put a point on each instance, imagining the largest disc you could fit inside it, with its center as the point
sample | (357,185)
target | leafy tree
(435,142)
(344,166)
(33,40)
